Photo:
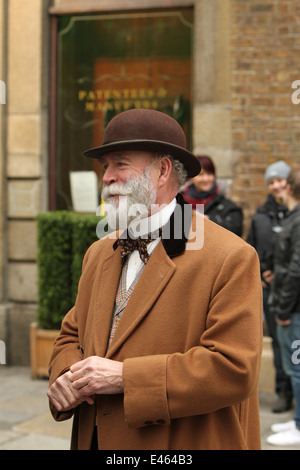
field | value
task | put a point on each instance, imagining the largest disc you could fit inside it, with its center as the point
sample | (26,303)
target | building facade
(235,67)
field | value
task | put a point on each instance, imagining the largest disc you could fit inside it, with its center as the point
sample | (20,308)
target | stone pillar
(211,94)
(26,157)
(3,108)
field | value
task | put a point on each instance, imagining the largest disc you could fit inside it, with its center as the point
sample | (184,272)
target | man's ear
(165,170)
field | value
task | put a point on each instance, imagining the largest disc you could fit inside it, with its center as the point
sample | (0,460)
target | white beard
(136,197)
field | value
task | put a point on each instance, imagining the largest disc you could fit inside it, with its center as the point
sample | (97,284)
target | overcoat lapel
(106,295)
(156,275)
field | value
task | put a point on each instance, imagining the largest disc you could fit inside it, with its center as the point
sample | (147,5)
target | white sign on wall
(84,191)
(2,92)
(2,353)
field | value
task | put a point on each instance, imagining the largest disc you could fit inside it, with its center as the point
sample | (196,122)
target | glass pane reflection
(110,63)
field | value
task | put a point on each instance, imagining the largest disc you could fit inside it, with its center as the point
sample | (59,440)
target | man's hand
(64,396)
(97,375)
(94,375)
(283,322)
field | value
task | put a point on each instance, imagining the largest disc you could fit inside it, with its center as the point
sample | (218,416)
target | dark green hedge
(63,238)
(84,234)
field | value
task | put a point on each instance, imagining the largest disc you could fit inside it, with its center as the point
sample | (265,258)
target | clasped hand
(85,379)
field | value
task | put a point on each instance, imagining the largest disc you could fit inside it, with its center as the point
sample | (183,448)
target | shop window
(110,63)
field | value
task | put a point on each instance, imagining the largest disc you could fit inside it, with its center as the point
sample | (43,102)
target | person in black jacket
(204,189)
(284,303)
(265,225)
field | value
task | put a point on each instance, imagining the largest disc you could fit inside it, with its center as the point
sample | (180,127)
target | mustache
(116,189)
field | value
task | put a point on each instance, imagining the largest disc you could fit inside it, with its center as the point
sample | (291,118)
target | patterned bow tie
(128,245)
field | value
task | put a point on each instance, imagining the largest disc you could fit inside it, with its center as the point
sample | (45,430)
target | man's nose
(109,176)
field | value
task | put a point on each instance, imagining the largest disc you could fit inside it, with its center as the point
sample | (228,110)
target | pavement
(26,423)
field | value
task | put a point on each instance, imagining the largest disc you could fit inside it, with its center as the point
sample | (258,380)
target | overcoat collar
(174,234)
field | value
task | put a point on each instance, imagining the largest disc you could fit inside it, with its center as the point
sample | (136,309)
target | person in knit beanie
(278,170)
(266,223)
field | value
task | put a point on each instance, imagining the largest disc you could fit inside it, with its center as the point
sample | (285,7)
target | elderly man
(162,348)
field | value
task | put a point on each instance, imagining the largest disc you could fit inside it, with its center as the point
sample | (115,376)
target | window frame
(63,7)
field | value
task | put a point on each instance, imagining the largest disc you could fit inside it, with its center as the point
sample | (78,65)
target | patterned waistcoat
(122,298)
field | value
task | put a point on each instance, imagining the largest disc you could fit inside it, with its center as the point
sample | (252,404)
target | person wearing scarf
(203,191)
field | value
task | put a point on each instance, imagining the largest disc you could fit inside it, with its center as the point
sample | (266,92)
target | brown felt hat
(147,130)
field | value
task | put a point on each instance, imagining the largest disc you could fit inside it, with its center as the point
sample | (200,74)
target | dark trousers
(282,381)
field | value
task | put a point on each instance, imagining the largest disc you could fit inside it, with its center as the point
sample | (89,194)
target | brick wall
(265,61)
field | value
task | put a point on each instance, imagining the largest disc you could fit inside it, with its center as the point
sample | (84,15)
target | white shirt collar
(141,227)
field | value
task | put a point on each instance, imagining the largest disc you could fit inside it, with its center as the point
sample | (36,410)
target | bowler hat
(147,130)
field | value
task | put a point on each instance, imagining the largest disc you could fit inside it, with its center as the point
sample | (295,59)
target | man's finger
(78,365)
(79,382)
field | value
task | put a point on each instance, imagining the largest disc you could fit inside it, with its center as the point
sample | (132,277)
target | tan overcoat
(190,340)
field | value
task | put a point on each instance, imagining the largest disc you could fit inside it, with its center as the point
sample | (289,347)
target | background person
(285,305)
(204,189)
(265,226)
(162,348)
